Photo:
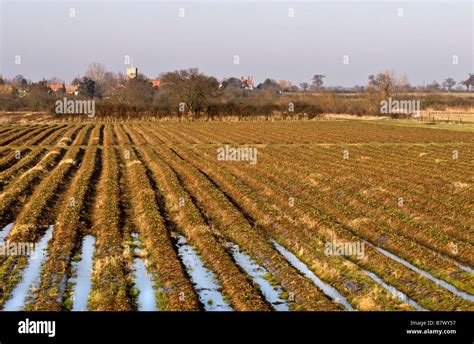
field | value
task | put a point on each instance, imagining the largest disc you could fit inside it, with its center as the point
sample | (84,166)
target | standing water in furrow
(439,282)
(271,294)
(83,281)
(31,274)
(143,280)
(203,279)
(5,231)
(301,267)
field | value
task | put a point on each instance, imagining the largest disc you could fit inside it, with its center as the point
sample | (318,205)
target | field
(145,216)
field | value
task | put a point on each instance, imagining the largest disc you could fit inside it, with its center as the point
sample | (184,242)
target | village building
(56,87)
(156,83)
(132,72)
(72,89)
(247,83)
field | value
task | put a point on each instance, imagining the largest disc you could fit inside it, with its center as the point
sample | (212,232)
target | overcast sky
(266,39)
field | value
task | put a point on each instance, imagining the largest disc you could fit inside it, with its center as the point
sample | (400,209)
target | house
(155,83)
(56,87)
(132,72)
(247,83)
(72,89)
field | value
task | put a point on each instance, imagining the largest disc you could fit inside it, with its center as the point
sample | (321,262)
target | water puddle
(300,266)
(83,283)
(31,274)
(203,279)
(271,294)
(439,282)
(143,280)
(5,231)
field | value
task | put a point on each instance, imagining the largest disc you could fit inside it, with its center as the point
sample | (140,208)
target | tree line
(190,93)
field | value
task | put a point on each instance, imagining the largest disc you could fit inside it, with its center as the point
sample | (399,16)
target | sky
(420,39)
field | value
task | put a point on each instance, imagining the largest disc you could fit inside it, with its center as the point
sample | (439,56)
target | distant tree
(232,82)
(87,88)
(291,89)
(111,82)
(2,82)
(137,92)
(383,82)
(304,86)
(19,81)
(448,84)
(433,87)
(469,82)
(268,84)
(96,72)
(38,96)
(190,87)
(317,82)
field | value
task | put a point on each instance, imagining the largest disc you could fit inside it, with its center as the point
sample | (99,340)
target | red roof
(155,83)
(56,87)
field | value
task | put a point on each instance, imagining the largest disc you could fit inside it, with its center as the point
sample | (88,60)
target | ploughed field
(148,216)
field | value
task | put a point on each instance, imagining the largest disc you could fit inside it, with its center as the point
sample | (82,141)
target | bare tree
(384,83)
(318,82)
(304,86)
(190,87)
(448,84)
(96,72)
(469,82)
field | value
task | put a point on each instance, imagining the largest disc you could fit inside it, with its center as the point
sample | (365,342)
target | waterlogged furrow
(170,276)
(326,288)
(34,216)
(146,300)
(442,283)
(354,284)
(235,228)
(184,213)
(82,282)
(4,232)
(272,293)
(203,279)
(68,225)
(321,229)
(31,275)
